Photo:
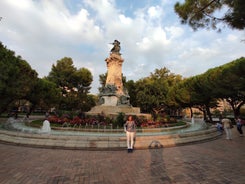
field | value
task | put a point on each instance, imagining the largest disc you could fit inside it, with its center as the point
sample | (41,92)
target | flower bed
(95,122)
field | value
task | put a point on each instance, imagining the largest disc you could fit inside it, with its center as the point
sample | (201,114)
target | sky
(150,33)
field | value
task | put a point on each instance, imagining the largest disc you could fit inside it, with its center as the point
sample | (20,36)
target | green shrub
(120,119)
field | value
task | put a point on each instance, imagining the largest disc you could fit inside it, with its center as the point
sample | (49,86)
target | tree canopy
(17,78)
(44,95)
(203,91)
(228,82)
(74,84)
(151,92)
(66,86)
(163,91)
(205,13)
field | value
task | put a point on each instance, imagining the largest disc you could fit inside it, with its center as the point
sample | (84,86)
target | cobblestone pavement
(216,162)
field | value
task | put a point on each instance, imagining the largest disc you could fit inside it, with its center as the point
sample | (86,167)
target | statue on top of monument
(116,48)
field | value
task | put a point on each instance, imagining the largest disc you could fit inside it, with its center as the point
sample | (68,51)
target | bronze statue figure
(116,48)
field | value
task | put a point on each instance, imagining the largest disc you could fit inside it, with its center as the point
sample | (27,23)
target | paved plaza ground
(219,161)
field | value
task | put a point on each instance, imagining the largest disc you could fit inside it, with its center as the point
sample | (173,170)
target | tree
(227,82)
(74,83)
(82,80)
(88,102)
(202,13)
(102,79)
(202,96)
(17,78)
(152,91)
(62,74)
(44,94)
(179,95)
(203,91)
(131,87)
(147,95)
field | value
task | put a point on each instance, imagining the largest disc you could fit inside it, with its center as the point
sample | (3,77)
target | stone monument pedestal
(108,110)
(110,101)
(114,110)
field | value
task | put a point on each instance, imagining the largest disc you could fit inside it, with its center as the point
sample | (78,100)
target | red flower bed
(93,121)
(154,124)
(75,121)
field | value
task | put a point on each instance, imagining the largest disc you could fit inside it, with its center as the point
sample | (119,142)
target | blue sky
(151,36)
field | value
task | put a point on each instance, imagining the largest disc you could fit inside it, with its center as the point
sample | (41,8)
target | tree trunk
(236,109)
(191,112)
(209,113)
(204,115)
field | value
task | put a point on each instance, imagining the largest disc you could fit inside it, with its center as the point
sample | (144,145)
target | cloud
(151,37)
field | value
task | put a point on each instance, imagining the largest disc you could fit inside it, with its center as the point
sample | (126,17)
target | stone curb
(104,142)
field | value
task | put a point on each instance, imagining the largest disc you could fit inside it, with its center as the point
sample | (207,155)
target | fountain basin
(105,141)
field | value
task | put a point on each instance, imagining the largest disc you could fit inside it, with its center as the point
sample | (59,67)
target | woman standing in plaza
(130,129)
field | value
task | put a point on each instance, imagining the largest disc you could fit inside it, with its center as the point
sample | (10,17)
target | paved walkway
(219,161)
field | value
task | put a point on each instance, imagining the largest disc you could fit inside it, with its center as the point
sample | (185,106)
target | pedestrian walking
(219,127)
(227,127)
(239,126)
(130,129)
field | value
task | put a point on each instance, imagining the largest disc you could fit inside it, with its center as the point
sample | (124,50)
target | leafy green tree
(131,87)
(83,79)
(74,83)
(227,82)
(44,94)
(179,95)
(146,95)
(202,13)
(62,74)
(193,92)
(152,91)
(17,78)
(102,79)
(202,96)
(89,102)
(203,91)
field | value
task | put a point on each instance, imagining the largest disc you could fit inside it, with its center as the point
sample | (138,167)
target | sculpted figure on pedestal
(116,48)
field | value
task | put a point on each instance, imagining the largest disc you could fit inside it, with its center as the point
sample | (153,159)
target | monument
(113,97)
(114,93)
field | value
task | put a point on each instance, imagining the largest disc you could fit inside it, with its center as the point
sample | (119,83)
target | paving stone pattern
(219,161)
